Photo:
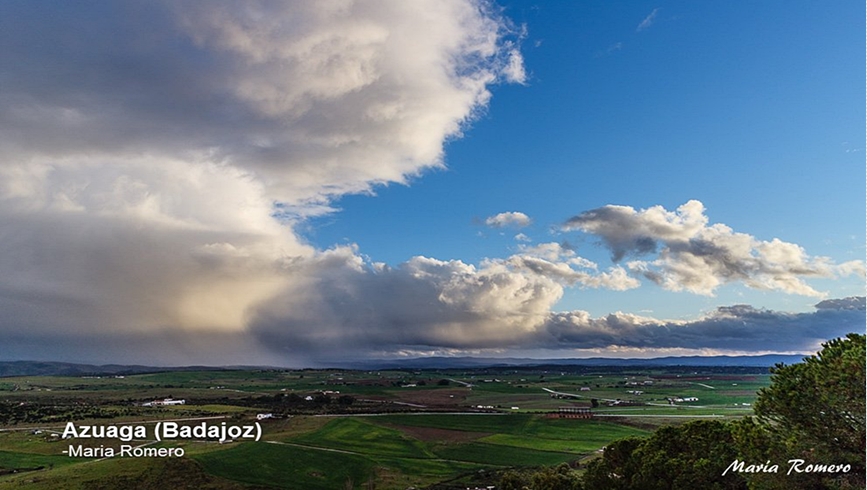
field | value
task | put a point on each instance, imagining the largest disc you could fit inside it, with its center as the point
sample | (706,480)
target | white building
(164,402)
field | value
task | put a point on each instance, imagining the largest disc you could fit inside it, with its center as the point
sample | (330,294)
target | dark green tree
(557,478)
(514,480)
(560,477)
(815,411)
(691,456)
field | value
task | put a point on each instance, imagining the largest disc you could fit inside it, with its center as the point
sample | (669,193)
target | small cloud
(523,238)
(514,70)
(648,21)
(514,219)
(850,303)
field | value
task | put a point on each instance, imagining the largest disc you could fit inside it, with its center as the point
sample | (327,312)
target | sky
(293,183)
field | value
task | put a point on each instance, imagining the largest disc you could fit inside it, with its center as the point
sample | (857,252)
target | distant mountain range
(38,368)
(482,362)
(48,368)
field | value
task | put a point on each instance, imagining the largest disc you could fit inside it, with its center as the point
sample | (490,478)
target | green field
(394,429)
(499,455)
(361,436)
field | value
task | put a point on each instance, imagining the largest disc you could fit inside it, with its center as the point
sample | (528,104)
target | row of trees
(813,411)
(14,412)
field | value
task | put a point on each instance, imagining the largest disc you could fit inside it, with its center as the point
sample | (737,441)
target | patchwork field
(328,429)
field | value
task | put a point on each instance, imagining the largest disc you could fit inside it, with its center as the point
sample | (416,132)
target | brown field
(439,397)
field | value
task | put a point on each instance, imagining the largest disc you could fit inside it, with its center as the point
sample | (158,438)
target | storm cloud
(727,328)
(157,158)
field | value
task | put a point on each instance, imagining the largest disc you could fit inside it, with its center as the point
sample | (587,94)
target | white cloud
(855,303)
(314,99)
(648,21)
(512,219)
(560,263)
(514,70)
(694,256)
(427,304)
(423,302)
(154,157)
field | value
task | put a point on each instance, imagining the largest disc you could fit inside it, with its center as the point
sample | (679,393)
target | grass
(287,466)
(535,443)
(14,460)
(352,434)
(471,423)
(492,454)
(309,452)
(110,474)
(530,426)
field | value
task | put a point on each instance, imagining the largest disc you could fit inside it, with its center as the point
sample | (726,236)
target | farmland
(326,429)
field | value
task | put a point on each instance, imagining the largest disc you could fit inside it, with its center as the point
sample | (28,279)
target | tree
(690,456)
(610,472)
(513,480)
(815,410)
(559,477)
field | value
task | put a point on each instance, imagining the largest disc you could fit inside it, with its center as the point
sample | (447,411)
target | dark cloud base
(739,328)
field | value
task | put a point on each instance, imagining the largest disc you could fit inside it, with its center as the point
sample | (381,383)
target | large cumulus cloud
(317,98)
(342,303)
(155,158)
(692,255)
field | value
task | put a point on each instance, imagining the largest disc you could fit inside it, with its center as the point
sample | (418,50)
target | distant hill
(40,368)
(481,362)
(47,368)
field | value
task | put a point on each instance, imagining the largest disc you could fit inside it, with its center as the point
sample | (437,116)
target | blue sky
(289,183)
(753,113)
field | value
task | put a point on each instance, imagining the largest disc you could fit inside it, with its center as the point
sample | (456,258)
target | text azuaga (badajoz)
(162,432)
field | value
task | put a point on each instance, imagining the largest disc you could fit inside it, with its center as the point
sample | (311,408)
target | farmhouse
(164,402)
(624,403)
(263,416)
(681,400)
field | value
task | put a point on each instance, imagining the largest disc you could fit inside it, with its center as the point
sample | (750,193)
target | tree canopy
(812,411)
(815,410)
